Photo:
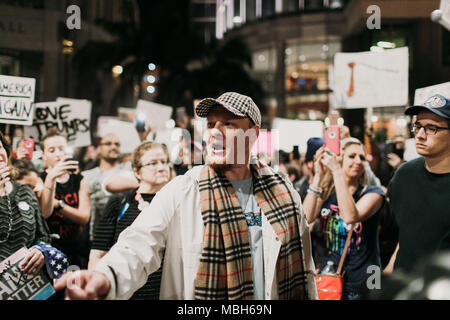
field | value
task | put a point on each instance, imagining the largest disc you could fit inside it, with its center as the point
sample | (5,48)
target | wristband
(314,191)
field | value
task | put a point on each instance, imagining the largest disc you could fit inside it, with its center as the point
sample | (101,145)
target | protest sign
(124,130)
(16,100)
(17,285)
(422,94)
(296,132)
(157,114)
(71,117)
(371,79)
(172,139)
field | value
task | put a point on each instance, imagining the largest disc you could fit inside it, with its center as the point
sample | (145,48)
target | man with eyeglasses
(419,192)
(108,151)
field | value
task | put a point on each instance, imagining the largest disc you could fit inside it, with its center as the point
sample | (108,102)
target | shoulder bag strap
(347,242)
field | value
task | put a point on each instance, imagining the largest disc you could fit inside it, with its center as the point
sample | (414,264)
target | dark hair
(291,169)
(7,146)
(52,132)
(24,167)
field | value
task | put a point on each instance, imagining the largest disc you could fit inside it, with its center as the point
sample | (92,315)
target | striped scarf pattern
(225,270)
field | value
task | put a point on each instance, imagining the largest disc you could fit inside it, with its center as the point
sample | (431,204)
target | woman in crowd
(28,174)
(65,199)
(340,194)
(21,221)
(150,162)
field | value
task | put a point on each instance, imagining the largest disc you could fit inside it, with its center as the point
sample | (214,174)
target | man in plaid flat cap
(230,229)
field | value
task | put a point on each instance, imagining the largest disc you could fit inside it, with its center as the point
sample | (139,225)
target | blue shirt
(252,212)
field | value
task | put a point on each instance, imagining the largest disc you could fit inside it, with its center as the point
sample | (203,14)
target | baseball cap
(312,145)
(236,103)
(437,104)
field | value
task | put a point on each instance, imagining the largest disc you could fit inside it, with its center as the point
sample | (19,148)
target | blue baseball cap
(312,145)
(437,104)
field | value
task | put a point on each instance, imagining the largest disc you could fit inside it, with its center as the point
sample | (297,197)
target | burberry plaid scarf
(225,270)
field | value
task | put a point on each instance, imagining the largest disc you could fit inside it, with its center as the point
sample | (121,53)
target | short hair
(142,148)
(24,167)
(52,132)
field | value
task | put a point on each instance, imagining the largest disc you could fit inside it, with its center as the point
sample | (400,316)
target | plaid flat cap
(236,103)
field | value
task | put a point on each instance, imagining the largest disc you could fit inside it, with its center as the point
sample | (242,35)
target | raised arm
(47,196)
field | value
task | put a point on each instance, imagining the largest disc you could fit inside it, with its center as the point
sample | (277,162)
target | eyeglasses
(429,129)
(154,164)
(109,143)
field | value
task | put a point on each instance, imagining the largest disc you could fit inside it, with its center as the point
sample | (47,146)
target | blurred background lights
(376,49)
(117,70)
(237,19)
(151,89)
(386,44)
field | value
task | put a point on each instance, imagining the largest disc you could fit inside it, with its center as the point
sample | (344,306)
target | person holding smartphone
(341,196)
(65,199)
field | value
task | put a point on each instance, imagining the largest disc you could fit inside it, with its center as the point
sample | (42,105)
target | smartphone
(140,122)
(296,153)
(69,152)
(333,139)
(28,144)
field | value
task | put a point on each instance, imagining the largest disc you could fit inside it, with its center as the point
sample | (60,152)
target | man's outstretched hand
(84,285)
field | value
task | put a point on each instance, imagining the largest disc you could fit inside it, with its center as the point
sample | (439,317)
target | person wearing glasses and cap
(231,229)
(419,192)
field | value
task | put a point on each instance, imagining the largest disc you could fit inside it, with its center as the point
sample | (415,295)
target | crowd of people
(141,227)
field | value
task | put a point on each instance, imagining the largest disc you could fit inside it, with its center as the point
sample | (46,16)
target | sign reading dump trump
(371,79)
(71,117)
(16,100)
(17,285)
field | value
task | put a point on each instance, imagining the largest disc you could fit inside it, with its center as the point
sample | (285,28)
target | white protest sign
(124,130)
(157,114)
(296,132)
(172,139)
(71,117)
(422,94)
(371,79)
(16,100)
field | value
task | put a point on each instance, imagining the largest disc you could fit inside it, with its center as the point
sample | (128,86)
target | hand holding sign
(33,262)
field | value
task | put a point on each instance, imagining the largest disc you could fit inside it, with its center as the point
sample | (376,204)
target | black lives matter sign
(16,100)
(17,285)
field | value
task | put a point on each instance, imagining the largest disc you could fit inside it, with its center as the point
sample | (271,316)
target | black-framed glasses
(429,129)
(109,143)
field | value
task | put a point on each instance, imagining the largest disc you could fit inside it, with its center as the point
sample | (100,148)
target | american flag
(55,260)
